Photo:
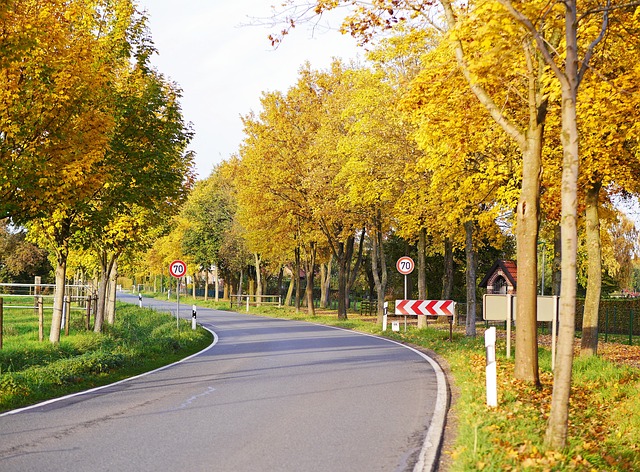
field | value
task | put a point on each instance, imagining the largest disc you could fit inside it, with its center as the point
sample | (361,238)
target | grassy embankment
(139,341)
(604,412)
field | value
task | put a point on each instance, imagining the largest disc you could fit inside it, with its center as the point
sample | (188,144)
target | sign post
(177,269)
(405,266)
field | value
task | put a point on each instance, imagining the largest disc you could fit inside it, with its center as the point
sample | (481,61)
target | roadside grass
(139,341)
(604,421)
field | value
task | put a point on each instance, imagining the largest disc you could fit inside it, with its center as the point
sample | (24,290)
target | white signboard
(495,306)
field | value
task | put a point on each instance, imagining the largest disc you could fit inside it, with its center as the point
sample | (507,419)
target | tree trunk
(556,434)
(471,279)
(296,276)
(352,273)
(195,284)
(292,284)
(344,255)
(310,263)
(111,299)
(447,279)
(239,293)
(106,265)
(258,264)
(324,270)
(526,366)
(58,301)
(422,264)
(379,265)
(280,277)
(589,344)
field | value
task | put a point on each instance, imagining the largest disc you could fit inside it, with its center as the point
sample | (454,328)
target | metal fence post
(87,322)
(1,320)
(631,327)
(606,323)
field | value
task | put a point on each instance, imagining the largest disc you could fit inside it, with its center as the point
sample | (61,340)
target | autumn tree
(495,43)
(149,171)
(97,43)
(274,175)
(210,210)
(57,60)
(473,176)
(377,146)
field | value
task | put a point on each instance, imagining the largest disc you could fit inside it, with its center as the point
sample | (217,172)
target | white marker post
(193,317)
(491,371)
(384,316)
(509,299)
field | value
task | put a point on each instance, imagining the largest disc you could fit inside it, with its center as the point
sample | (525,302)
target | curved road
(270,395)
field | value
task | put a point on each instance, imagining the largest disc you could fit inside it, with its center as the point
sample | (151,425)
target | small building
(502,278)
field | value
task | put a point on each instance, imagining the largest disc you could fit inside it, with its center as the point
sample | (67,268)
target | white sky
(223,67)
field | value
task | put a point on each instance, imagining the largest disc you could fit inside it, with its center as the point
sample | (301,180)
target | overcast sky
(223,66)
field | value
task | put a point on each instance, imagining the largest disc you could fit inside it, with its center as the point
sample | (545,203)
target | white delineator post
(491,371)
(384,316)
(193,317)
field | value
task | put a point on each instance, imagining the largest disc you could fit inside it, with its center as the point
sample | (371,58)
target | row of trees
(465,128)
(526,63)
(93,144)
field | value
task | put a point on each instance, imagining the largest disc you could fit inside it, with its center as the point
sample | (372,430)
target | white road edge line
(433,438)
(96,389)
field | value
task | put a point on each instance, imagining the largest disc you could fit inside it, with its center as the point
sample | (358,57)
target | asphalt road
(269,395)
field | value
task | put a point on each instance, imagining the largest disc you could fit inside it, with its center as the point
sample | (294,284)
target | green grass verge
(604,408)
(139,341)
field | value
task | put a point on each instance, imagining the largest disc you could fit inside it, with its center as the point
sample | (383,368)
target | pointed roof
(509,268)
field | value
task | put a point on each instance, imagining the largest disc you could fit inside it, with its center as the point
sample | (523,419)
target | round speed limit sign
(405,265)
(177,268)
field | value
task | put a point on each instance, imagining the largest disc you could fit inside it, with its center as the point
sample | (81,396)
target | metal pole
(543,264)
(405,287)
(178,303)
(1,320)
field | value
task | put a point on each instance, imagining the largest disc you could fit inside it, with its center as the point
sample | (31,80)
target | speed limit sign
(177,268)
(405,265)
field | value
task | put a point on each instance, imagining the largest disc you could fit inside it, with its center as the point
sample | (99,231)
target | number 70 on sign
(177,268)
(405,265)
